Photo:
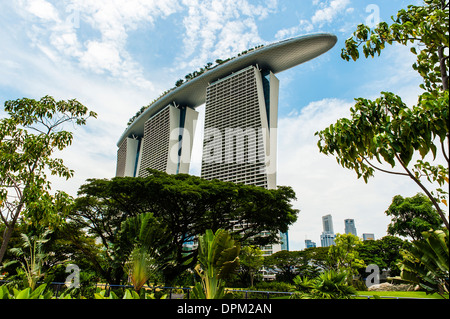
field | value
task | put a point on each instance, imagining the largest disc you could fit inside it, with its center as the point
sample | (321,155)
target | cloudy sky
(115,56)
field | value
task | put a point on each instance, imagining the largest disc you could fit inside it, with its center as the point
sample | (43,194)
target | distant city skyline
(328,235)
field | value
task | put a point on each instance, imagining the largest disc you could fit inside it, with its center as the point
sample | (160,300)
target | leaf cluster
(29,136)
(387,130)
(218,257)
(424,28)
(427,262)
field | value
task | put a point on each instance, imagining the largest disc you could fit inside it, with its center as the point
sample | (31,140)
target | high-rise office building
(327,222)
(309,243)
(350,227)
(240,130)
(166,144)
(327,237)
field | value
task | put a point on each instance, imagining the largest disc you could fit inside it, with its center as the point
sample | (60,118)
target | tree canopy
(411,216)
(185,206)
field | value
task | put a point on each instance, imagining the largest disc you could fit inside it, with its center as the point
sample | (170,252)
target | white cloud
(42,9)
(326,13)
(218,29)
(101,56)
(324,187)
(58,29)
(303,26)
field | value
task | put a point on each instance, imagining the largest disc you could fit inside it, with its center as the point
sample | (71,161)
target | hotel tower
(240,129)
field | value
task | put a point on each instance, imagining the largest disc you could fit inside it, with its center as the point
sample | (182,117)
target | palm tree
(218,257)
(33,258)
(426,263)
(140,267)
(147,236)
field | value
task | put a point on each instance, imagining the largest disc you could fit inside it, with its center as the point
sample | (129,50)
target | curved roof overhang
(276,57)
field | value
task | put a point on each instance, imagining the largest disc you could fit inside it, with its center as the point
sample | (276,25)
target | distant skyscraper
(368,237)
(327,237)
(327,222)
(350,227)
(309,243)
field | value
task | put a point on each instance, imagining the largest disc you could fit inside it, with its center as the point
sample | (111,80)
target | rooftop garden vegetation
(190,76)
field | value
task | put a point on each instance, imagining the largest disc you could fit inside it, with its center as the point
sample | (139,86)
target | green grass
(402,294)
(391,294)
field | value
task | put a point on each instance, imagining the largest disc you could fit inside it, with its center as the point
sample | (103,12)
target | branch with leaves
(386,130)
(29,136)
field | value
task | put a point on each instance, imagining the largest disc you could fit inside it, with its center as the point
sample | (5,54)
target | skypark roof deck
(276,57)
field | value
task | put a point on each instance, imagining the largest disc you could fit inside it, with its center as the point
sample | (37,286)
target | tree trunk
(8,232)
(6,237)
(443,69)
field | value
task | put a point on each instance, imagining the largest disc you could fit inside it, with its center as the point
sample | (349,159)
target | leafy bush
(328,285)
(273,286)
(28,293)
(128,294)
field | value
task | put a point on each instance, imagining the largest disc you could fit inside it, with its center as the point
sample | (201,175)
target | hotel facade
(240,129)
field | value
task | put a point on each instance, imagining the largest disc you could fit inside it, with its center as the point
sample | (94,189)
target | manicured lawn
(402,294)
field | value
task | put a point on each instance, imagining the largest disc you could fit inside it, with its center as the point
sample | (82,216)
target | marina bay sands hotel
(241,112)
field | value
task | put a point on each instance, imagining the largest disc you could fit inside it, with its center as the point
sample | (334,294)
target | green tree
(140,267)
(32,256)
(252,261)
(218,257)
(384,252)
(344,256)
(388,131)
(29,136)
(412,216)
(317,258)
(148,239)
(288,264)
(186,206)
(119,235)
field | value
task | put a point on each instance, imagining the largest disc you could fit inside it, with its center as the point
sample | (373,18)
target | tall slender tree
(386,129)
(29,136)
